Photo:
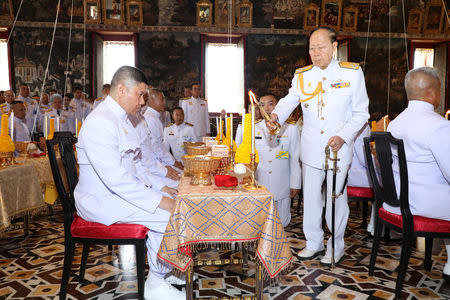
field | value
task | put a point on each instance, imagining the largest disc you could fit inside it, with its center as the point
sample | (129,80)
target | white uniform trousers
(157,224)
(284,210)
(313,207)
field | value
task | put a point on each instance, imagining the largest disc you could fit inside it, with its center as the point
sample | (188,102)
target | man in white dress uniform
(279,166)
(65,117)
(112,186)
(156,104)
(335,107)
(425,136)
(196,112)
(175,134)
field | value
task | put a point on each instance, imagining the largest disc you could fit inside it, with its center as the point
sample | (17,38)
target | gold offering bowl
(22,147)
(201,167)
(6,159)
(196,148)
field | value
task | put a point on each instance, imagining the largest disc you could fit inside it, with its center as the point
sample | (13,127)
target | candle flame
(252,97)
(447,114)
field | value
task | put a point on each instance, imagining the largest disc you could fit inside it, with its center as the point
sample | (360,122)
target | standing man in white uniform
(66,122)
(79,105)
(156,104)
(196,112)
(335,107)
(5,108)
(279,165)
(175,134)
(111,187)
(425,136)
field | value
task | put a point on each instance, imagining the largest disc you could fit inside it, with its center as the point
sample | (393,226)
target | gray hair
(415,87)
(128,76)
(153,92)
(54,96)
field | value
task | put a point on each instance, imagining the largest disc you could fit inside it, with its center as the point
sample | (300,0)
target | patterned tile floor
(31,268)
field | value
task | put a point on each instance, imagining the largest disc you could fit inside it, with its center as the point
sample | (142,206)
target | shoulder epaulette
(349,65)
(3,105)
(98,99)
(188,124)
(170,124)
(292,122)
(187,98)
(49,110)
(303,69)
(257,121)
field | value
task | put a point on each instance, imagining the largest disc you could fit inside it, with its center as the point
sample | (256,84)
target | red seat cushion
(420,223)
(359,192)
(84,229)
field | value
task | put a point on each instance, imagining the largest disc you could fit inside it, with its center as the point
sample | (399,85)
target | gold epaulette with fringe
(170,124)
(185,98)
(189,124)
(303,69)
(349,65)
(292,122)
(98,99)
(257,121)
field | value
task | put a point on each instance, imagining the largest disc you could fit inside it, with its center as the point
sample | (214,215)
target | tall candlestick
(12,125)
(217,125)
(45,127)
(76,127)
(220,129)
(243,119)
(231,132)
(57,123)
(253,128)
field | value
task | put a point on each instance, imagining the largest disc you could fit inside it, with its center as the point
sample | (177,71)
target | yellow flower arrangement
(6,143)
(226,141)
(245,149)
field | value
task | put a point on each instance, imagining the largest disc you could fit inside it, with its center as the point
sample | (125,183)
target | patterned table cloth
(220,215)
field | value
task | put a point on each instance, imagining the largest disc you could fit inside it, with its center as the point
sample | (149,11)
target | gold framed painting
(415,16)
(6,10)
(113,11)
(134,13)
(204,13)
(92,11)
(312,12)
(350,18)
(331,13)
(245,14)
(224,13)
(434,15)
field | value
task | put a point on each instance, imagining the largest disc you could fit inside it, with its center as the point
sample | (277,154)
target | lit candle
(12,125)
(253,128)
(45,127)
(374,125)
(220,128)
(231,132)
(447,114)
(217,125)
(243,119)
(76,127)
(57,123)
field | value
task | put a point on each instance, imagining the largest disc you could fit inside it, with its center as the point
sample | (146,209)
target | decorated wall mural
(170,61)
(31,50)
(271,62)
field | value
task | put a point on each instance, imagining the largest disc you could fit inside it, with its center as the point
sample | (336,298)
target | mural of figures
(170,61)
(45,10)
(176,12)
(31,49)
(376,73)
(272,60)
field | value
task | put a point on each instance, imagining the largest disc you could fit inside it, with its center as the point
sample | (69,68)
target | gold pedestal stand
(252,185)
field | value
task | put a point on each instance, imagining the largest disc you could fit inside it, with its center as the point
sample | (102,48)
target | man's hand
(172,173)
(274,119)
(168,190)
(223,113)
(167,204)
(335,142)
(178,165)
(293,193)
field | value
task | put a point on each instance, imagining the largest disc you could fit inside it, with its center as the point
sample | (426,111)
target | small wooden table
(214,215)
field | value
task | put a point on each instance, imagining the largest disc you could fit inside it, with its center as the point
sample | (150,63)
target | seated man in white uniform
(279,166)
(425,136)
(175,134)
(156,104)
(21,131)
(112,187)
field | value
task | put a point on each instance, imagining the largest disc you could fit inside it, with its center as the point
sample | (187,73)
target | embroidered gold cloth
(219,215)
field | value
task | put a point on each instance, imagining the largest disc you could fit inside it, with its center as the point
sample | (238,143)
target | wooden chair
(77,230)
(364,195)
(411,226)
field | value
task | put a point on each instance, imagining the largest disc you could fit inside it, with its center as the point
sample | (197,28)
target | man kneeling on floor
(113,186)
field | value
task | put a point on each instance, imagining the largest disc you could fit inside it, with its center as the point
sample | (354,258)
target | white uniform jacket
(427,147)
(21,132)
(81,108)
(341,110)
(155,126)
(110,187)
(279,166)
(358,174)
(66,122)
(196,113)
(175,136)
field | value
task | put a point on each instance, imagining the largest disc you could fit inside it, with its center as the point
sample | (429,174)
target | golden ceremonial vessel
(200,167)
(196,148)
(22,147)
